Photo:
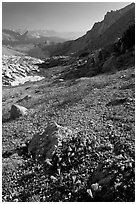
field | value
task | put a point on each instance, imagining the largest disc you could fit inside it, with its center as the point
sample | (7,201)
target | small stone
(44,197)
(78,182)
(90,193)
(58,171)
(23,145)
(95,187)
(48,162)
(122,168)
(16,200)
(70,149)
(53,178)
(120,156)
(125,187)
(69,195)
(74,179)
(117,185)
(59,144)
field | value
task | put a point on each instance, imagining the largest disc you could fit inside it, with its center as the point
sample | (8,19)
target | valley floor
(100,109)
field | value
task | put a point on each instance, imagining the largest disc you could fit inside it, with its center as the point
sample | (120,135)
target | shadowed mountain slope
(102,33)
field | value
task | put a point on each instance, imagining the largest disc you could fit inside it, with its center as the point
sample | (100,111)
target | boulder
(17,111)
(43,145)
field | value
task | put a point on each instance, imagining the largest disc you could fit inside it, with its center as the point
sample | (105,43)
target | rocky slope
(109,19)
(10,52)
(19,69)
(96,163)
(102,34)
(13,37)
(71,136)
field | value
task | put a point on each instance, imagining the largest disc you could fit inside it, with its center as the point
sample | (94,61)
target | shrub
(128,38)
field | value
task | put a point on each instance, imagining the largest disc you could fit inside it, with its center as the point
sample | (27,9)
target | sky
(58,16)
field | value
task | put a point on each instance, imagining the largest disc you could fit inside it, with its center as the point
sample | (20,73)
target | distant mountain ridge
(45,43)
(102,33)
(32,42)
(12,37)
(9,35)
(53,33)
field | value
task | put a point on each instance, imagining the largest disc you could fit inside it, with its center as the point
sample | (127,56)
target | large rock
(43,145)
(17,111)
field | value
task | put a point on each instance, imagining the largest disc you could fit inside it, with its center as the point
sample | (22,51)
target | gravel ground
(97,163)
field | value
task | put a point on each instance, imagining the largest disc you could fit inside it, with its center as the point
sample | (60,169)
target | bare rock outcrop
(43,145)
(19,69)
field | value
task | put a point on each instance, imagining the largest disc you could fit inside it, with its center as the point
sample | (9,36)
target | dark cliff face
(102,33)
